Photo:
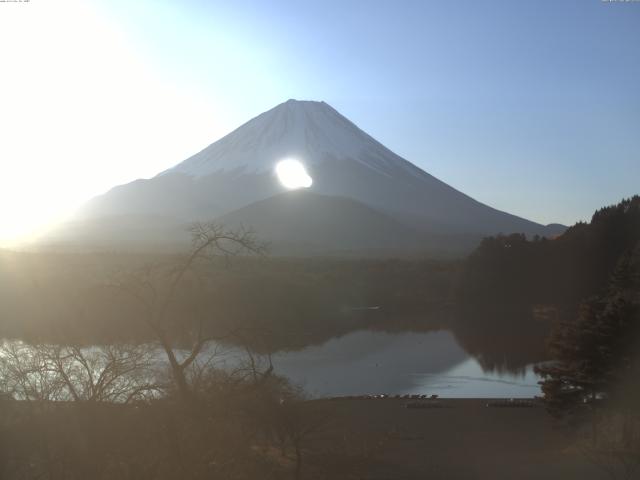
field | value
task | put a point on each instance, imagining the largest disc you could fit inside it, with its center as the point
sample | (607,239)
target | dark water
(374,362)
(368,362)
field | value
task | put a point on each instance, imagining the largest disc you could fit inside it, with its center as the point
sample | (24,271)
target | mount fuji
(364,198)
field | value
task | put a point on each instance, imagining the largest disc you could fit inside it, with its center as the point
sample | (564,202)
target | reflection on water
(367,362)
(469,380)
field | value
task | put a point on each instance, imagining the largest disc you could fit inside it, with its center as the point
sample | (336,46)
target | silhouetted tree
(595,353)
(160,288)
(509,280)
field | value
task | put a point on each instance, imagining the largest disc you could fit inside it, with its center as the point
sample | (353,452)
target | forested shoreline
(79,297)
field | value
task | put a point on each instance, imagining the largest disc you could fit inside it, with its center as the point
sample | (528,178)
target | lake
(372,362)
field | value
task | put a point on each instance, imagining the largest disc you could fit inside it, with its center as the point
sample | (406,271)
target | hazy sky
(532,107)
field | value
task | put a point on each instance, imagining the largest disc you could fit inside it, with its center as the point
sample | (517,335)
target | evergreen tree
(595,354)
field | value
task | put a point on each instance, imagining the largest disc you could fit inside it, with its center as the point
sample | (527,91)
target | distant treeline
(511,289)
(512,270)
(291,302)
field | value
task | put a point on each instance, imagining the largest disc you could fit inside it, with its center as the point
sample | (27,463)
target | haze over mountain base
(363,199)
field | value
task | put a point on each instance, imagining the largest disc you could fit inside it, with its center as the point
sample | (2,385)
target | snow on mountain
(308,131)
(343,161)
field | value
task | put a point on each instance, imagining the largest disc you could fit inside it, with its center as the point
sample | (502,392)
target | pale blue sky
(532,107)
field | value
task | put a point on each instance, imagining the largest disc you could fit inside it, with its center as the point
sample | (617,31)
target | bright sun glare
(80,114)
(292,174)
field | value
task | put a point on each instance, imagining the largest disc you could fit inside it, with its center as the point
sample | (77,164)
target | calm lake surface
(369,362)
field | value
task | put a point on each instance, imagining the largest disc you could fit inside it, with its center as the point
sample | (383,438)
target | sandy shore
(464,439)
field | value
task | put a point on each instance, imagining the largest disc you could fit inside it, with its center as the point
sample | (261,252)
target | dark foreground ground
(465,439)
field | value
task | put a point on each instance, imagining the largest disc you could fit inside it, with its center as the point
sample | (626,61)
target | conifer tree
(596,353)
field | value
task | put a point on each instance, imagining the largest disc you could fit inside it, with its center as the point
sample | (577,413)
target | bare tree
(111,373)
(65,422)
(209,435)
(298,421)
(159,289)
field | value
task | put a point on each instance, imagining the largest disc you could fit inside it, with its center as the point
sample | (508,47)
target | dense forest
(512,290)
(292,302)
(597,353)
(513,271)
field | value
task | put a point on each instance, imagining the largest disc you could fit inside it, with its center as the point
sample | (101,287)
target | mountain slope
(344,161)
(302,222)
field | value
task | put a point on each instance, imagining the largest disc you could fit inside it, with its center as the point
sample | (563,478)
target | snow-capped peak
(308,131)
